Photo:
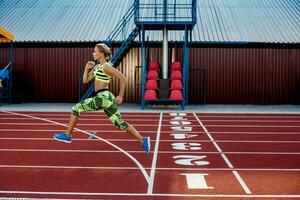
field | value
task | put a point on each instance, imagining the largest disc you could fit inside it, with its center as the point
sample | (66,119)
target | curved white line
(147,177)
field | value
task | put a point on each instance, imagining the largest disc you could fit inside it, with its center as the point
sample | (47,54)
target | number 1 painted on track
(196,181)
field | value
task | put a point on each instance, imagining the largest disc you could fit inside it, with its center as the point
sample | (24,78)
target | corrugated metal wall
(249,75)
(235,75)
(47,74)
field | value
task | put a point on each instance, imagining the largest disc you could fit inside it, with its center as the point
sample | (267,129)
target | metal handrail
(169,14)
(120,26)
(111,37)
(5,68)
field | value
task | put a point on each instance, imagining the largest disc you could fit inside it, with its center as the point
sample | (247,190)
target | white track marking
(297,116)
(79,124)
(151,120)
(110,124)
(59,130)
(88,119)
(133,140)
(85,132)
(86,115)
(246,120)
(257,133)
(253,126)
(167,131)
(236,174)
(148,168)
(154,195)
(161,152)
(93,133)
(153,166)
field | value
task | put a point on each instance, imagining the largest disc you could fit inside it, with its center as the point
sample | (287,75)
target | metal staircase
(119,32)
(124,47)
(149,16)
(166,15)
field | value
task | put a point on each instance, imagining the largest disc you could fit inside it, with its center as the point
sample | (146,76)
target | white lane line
(161,152)
(97,114)
(151,120)
(85,132)
(93,134)
(59,130)
(110,124)
(153,166)
(256,133)
(147,168)
(296,116)
(154,195)
(67,119)
(133,140)
(254,126)
(37,114)
(163,131)
(236,174)
(79,124)
(246,120)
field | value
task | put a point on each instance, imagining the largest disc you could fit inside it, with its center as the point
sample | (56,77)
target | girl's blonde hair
(104,49)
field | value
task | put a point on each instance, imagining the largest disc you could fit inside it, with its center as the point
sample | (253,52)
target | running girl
(103,99)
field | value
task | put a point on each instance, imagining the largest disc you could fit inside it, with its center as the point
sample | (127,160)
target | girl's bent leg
(86,105)
(72,123)
(132,131)
(115,117)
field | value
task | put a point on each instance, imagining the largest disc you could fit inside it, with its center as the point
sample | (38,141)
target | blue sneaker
(62,137)
(146,144)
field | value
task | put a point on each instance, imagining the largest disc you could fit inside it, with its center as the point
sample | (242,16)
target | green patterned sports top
(100,75)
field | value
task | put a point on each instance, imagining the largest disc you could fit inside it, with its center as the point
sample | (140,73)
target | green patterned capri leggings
(105,100)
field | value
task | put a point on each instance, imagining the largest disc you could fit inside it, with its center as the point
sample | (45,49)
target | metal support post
(144,66)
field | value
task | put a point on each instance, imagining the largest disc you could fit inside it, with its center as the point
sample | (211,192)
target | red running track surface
(194,156)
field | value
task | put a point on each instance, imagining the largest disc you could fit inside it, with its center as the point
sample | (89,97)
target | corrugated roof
(274,21)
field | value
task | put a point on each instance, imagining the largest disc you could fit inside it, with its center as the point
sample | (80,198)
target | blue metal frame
(174,16)
(185,68)
(173,21)
(6,92)
(144,67)
(170,14)
(10,72)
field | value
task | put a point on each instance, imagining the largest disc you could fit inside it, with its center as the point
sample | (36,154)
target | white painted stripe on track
(154,160)
(79,124)
(32,130)
(149,195)
(156,113)
(256,133)
(296,116)
(93,133)
(147,168)
(254,126)
(85,132)
(67,119)
(146,120)
(151,120)
(150,125)
(241,181)
(133,140)
(163,131)
(36,114)
(246,120)
(161,152)
(62,130)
